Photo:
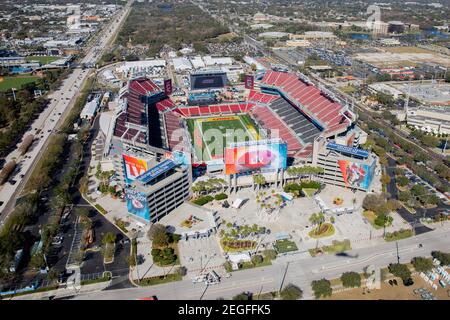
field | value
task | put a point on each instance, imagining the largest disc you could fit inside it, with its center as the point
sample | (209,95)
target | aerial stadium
(283,121)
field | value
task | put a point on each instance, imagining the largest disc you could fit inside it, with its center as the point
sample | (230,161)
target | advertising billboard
(258,155)
(357,175)
(249,82)
(137,203)
(179,157)
(134,167)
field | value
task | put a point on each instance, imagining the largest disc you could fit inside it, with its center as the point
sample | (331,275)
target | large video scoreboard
(208,80)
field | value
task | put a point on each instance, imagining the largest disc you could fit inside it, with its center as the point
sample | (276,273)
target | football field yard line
(247,129)
(204,142)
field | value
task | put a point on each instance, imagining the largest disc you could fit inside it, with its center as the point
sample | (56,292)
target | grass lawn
(98,280)
(283,246)
(326,230)
(336,246)
(250,265)
(160,279)
(371,216)
(42,59)
(398,235)
(6,83)
(309,192)
(348,89)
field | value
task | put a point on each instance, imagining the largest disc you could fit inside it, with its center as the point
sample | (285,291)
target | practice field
(6,83)
(211,135)
(42,59)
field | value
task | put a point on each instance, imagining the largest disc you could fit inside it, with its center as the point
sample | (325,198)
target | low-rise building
(430,119)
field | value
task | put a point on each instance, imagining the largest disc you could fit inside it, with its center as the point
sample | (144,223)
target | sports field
(6,83)
(42,59)
(211,135)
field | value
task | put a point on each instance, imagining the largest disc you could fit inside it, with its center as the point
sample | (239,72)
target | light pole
(284,277)
(398,255)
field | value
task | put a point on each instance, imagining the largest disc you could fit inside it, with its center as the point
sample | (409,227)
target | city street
(298,271)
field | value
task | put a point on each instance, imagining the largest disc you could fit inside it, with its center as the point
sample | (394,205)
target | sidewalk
(60,293)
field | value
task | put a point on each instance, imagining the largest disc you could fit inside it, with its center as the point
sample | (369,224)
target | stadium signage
(249,82)
(137,203)
(168,87)
(255,142)
(156,171)
(348,150)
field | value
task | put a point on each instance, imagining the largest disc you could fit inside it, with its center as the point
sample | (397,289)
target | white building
(430,119)
(90,109)
(386,89)
(217,61)
(181,64)
(146,67)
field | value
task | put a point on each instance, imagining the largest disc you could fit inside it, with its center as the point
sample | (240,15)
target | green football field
(211,135)
(6,83)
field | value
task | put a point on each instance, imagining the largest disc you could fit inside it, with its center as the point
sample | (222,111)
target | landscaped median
(100,209)
(98,280)
(398,235)
(335,247)
(159,279)
(257,260)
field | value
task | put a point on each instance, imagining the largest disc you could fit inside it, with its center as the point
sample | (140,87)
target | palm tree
(259,180)
(313,219)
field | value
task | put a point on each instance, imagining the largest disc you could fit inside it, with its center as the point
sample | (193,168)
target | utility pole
(398,255)
(284,276)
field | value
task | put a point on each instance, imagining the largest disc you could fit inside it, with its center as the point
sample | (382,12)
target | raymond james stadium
(159,148)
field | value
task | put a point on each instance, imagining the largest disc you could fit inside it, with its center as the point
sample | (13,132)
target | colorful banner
(249,81)
(356,175)
(137,203)
(261,156)
(168,87)
(134,167)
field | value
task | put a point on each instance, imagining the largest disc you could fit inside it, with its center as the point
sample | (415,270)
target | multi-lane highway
(61,101)
(290,269)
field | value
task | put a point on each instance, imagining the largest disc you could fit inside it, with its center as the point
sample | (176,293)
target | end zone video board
(208,80)
(264,155)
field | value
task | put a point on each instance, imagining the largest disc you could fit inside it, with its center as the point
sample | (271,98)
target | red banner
(249,82)
(168,87)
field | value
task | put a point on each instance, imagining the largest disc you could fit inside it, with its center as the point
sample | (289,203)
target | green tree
(291,292)
(157,233)
(400,270)
(404,196)
(257,259)
(321,288)
(351,280)
(402,181)
(241,296)
(443,257)
(422,264)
